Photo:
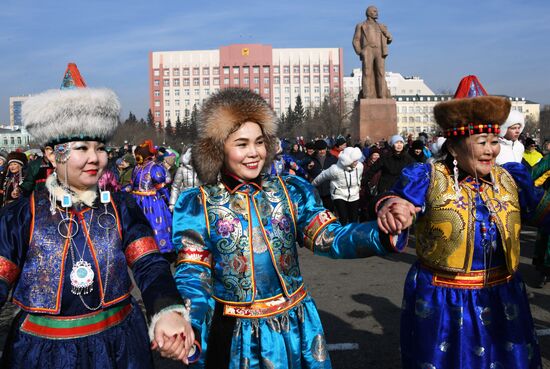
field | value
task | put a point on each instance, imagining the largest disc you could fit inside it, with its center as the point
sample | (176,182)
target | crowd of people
(228,213)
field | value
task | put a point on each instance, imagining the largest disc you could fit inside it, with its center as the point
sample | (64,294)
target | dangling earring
(455,175)
(53,198)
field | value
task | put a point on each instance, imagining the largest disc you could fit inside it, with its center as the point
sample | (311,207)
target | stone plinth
(377,120)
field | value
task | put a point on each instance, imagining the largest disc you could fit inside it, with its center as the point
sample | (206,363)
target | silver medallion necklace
(82,275)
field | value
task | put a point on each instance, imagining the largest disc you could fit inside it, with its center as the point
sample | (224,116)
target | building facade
(415,102)
(14,138)
(180,80)
(16,103)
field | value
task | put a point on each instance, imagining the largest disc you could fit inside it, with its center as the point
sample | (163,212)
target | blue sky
(505,43)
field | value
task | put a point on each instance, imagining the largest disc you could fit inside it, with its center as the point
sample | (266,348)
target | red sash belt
(66,327)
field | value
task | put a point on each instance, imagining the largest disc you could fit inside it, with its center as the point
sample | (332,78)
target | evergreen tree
(179,127)
(131,118)
(299,114)
(193,122)
(168,126)
(150,119)
(290,122)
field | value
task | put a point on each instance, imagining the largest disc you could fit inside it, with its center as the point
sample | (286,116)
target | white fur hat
(514,117)
(349,155)
(83,114)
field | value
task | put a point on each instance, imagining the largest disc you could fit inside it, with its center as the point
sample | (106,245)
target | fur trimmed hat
(222,114)
(80,114)
(17,157)
(515,117)
(465,117)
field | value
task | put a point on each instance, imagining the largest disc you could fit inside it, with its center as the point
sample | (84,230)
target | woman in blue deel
(236,240)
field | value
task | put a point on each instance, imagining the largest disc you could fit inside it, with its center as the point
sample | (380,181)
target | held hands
(396,215)
(174,337)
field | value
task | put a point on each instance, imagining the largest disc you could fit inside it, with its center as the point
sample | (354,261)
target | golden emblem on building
(245,51)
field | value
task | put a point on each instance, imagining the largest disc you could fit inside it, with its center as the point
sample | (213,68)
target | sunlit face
(513,132)
(417,151)
(2,161)
(85,165)
(374,156)
(245,151)
(398,146)
(14,167)
(476,154)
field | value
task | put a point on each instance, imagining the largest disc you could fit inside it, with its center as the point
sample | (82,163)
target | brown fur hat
(222,114)
(462,117)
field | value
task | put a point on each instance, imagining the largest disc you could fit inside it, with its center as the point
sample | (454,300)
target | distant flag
(469,86)
(72,78)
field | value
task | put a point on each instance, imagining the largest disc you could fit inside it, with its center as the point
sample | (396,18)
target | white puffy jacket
(345,181)
(510,151)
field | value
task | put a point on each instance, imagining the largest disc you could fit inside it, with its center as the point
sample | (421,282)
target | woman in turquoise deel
(236,239)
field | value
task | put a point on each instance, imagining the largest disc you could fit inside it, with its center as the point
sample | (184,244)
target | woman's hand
(396,215)
(174,337)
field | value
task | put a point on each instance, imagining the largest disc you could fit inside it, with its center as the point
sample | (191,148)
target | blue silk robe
(149,188)
(237,256)
(449,321)
(35,261)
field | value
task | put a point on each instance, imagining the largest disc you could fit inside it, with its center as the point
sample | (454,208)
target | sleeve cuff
(395,243)
(181,309)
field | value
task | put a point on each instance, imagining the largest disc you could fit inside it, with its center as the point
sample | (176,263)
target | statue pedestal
(377,120)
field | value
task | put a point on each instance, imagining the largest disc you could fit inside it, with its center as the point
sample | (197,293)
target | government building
(180,80)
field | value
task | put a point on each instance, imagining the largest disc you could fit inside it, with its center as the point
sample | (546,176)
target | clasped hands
(174,337)
(395,215)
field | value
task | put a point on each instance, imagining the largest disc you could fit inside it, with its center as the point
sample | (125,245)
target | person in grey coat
(185,177)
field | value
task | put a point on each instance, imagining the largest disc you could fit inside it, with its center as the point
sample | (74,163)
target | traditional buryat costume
(150,191)
(236,244)
(10,182)
(66,256)
(464,303)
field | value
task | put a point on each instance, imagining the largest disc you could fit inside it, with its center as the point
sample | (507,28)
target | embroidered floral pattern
(460,203)
(228,215)
(226,226)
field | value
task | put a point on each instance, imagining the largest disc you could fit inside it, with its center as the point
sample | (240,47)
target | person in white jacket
(511,149)
(345,183)
(185,178)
